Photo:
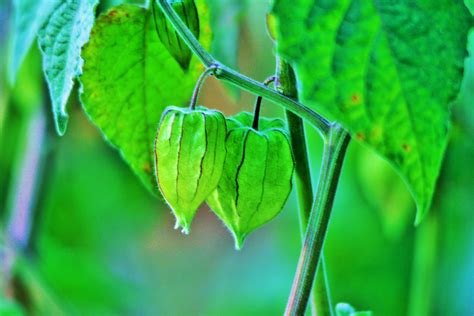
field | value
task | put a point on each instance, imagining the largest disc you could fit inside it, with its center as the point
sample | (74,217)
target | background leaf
(470,5)
(128,79)
(386,70)
(226,17)
(61,40)
(29,15)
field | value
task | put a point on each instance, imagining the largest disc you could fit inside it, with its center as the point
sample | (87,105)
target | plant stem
(24,191)
(286,84)
(423,267)
(333,158)
(336,140)
(208,72)
(258,103)
(24,187)
(240,80)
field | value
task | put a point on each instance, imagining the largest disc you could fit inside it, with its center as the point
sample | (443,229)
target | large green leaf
(29,15)
(61,39)
(386,70)
(128,79)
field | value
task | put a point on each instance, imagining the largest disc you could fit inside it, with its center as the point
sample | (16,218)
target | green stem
(286,84)
(333,158)
(206,73)
(336,140)
(244,82)
(423,267)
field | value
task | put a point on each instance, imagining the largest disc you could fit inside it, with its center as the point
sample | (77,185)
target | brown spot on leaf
(355,98)
(147,167)
(360,136)
(406,147)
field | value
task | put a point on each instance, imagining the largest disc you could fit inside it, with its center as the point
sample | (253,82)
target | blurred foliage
(102,245)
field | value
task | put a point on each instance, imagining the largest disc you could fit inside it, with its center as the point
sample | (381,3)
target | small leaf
(188,13)
(128,79)
(387,70)
(29,16)
(61,39)
(190,153)
(344,309)
(256,180)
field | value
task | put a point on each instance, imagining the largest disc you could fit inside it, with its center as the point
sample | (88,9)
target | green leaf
(29,16)
(128,79)
(470,5)
(386,70)
(344,309)
(61,39)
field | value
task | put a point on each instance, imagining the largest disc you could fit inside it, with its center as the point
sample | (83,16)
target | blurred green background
(102,245)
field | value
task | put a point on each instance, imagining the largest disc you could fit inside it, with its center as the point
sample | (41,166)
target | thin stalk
(244,82)
(206,73)
(286,84)
(258,104)
(23,191)
(24,187)
(333,158)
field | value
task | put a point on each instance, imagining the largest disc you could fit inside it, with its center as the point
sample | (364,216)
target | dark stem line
(286,84)
(333,158)
(258,104)
(240,80)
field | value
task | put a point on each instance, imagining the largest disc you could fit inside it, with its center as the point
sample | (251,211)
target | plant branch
(246,83)
(333,158)
(336,142)
(286,84)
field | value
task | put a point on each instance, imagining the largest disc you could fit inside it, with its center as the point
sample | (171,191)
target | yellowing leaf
(128,79)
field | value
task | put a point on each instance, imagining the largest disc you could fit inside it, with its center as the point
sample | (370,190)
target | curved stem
(208,72)
(240,80)
(333,158)
(258,103)
(286,84)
